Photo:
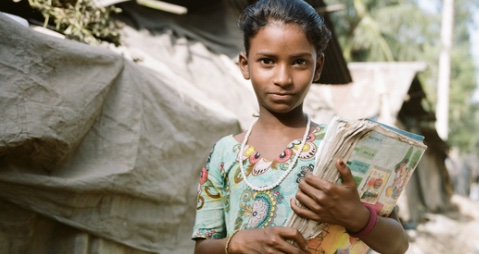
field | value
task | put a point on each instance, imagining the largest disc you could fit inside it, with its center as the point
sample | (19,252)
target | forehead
(281,38)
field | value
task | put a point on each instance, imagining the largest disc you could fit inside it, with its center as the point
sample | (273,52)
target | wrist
(368,227)
(229,248)
(360,220)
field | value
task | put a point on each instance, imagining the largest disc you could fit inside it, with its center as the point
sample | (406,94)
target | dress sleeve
(210,215)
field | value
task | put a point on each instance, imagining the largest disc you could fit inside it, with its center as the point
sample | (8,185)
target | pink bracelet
(373,220)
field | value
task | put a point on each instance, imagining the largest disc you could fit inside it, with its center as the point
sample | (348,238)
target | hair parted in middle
(263,12)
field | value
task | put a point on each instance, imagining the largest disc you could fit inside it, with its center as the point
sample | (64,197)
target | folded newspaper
(381,158)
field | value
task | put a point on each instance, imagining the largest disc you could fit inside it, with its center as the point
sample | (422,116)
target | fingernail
(341,162)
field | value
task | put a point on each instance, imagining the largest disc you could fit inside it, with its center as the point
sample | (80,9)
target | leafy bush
(80,20)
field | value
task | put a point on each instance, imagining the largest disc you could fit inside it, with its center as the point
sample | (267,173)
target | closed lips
(282,94)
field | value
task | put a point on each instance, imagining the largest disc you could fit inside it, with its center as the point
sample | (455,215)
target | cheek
(258,90)
(260,76)
(305,77)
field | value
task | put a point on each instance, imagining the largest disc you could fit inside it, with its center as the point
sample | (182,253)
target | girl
(251,181)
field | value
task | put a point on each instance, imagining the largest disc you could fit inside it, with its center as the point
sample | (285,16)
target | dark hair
(260,14)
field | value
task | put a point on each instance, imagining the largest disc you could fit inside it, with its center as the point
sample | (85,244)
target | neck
(273,121)
(285,174)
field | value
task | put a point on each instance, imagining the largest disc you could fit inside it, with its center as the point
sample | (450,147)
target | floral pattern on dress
(226,203)
(304,171)
(264,207)
(260,167)
(208,233)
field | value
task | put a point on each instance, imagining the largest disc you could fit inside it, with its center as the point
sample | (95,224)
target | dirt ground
(451,232)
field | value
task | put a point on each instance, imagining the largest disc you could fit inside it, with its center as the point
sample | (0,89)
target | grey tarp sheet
(97,154)
(201,48)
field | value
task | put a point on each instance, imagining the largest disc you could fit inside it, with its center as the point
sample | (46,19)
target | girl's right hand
(268,240)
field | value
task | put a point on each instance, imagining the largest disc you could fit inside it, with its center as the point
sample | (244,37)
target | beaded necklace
(290,167)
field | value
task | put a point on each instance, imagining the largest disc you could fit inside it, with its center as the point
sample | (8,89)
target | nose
(282,76)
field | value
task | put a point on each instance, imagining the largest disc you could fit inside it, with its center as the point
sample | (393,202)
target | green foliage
(371,30)
(463,111)
(80,20)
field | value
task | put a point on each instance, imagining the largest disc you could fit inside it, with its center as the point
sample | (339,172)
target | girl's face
(281,64)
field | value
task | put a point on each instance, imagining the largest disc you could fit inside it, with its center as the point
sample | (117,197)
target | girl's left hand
(332,203)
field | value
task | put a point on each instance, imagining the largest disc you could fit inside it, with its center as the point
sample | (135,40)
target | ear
(319,66)
(243,64)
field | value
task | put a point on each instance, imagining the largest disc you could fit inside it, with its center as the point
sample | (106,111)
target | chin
(281,110)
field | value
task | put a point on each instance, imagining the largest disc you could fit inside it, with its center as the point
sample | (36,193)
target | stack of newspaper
(381,159)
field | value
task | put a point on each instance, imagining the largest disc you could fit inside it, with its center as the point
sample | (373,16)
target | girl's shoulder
(224,153)
(226,141)
(225,146)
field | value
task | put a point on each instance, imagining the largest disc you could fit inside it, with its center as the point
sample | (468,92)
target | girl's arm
(388,236)
(256,241)
(212,246)
(340,205)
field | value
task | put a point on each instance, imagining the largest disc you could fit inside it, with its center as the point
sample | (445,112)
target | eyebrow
(301,54)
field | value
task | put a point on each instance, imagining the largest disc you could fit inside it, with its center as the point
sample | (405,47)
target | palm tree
(382,30)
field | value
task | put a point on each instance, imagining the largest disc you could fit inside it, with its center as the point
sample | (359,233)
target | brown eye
(266,61)
(300,62)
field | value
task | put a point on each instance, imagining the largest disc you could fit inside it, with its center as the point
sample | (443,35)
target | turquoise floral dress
(225,203)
